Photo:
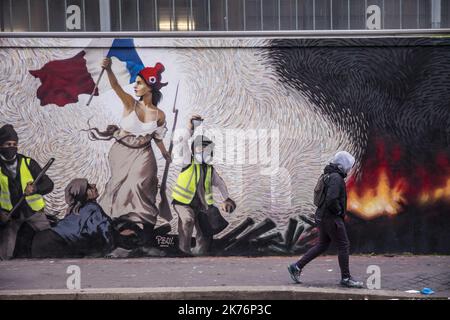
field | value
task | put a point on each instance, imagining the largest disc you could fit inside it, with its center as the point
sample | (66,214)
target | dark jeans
(331,228)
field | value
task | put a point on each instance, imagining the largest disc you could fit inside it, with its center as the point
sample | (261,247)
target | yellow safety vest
(184,190)
(35,201)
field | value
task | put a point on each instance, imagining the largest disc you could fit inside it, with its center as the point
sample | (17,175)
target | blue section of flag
(124,50)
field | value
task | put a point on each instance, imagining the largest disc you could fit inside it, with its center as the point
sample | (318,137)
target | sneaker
(294,272)
(351,283)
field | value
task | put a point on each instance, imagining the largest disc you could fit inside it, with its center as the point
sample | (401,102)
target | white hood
(343,160)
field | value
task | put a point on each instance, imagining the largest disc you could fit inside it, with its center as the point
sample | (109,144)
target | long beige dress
(130,193)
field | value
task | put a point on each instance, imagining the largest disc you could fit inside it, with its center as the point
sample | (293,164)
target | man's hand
(228,205)
(30,189)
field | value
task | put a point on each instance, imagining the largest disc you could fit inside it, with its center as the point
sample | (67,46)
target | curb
(210,293)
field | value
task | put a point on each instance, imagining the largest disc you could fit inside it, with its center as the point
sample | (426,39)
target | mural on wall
(263,116)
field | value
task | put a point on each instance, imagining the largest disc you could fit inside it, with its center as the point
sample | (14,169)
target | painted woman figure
(130,194)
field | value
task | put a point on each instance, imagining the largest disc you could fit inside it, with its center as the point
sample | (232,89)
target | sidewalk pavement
(222,278)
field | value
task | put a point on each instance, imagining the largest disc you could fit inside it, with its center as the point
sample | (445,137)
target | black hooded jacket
(335,203)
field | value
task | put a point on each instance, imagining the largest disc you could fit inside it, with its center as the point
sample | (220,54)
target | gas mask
(202,150)
(204,157)
(8,154)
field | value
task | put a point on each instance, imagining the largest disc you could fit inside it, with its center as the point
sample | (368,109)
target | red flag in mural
(64,80)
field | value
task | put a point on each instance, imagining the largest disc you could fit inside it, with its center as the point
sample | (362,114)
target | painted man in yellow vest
(17,173)
(193,192)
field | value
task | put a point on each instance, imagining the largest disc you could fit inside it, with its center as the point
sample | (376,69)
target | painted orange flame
(385,198)
(387,187)
(438,193)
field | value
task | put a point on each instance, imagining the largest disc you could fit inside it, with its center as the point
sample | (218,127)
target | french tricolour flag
(62,81)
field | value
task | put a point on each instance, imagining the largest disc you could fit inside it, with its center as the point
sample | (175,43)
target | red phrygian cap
(152,76)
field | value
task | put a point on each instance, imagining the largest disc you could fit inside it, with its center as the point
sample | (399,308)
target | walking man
(330,219)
